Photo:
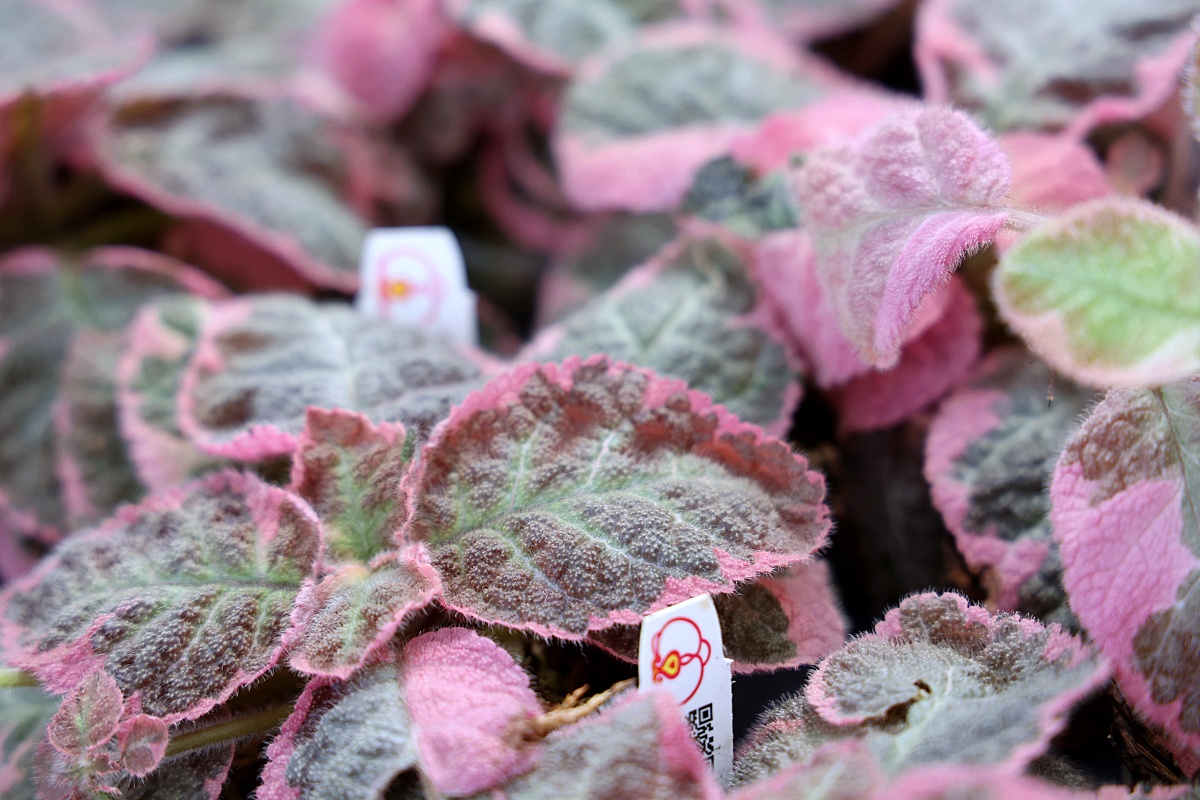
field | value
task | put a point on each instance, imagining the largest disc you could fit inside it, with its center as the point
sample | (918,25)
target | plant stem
(16,678)
(256,724)
(1021,220)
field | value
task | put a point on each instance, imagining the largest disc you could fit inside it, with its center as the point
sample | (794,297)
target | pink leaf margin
(816,623)
(653,171)
(733,439)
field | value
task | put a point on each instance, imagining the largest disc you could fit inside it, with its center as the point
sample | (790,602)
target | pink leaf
(382,52)
(567,498)
(88,717)
(639,121)
(1123,510)
(143,743)
(893,213)
(929,366)
(445,704)
(183,598)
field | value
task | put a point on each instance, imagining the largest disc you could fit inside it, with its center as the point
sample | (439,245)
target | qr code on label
(701,722)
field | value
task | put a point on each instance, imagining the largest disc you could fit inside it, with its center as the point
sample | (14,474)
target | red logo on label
(688,654)
(407,277)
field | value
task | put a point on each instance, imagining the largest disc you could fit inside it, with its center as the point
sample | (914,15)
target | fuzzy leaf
(728,193)
(683,315)
(262,361)
(843,770)
(183,598)
(1123,508)
(445,704)
(143,742)
(356,610)
(556,35)
(638,745)
(892,214)
(638,123)
(24,713)
(1108,293)
(1082,63)
(772,623)
(271,173)
(567,498)
(349,471)
(989,457)
(157,347)
(88,717)
(45,300)
(938,682)
(198,775)
(94,469)
(929,366)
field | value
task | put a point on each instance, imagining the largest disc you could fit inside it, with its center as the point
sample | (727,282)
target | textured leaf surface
(356,610)
(728,193)
(94,469)
(194,776)
(566,498)
(445,704)
(272,173)
(929,366)
(839,771)
(556,35)
(182,598)
(156,349)
(45,300)
(24,713)
(1081,64)
(683,315)
(779,622)
(1108,293)
(892,214)
(938,682)
(1123,507)
(88,717)
(53,50)
(262,361)
(349,471)
(989,457)
(639,747)
(637,124)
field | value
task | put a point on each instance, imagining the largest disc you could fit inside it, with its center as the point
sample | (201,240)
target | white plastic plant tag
(416,276)
(681,650)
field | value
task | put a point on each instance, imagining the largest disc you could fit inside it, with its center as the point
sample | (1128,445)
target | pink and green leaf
(989,456)
(94,469)
(355,611)
(157,347)
(349,471)
(893,212)
(930,364)
(447,704)
(88,717)
(939,682)
(636,744)
(261,361)
(563,499)
(274,174)
(729,194)
(182,599)
(1108,293)
(777,622)
(684,314)
(1123,507)
(638,122)
(46,299)
(1080,65)
(24,713)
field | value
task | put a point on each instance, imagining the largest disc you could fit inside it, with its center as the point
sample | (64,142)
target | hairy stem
(1021,220)
(16,678)
(259,723)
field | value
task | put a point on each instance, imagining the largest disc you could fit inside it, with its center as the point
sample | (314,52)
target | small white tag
(416,276)
(681,649)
